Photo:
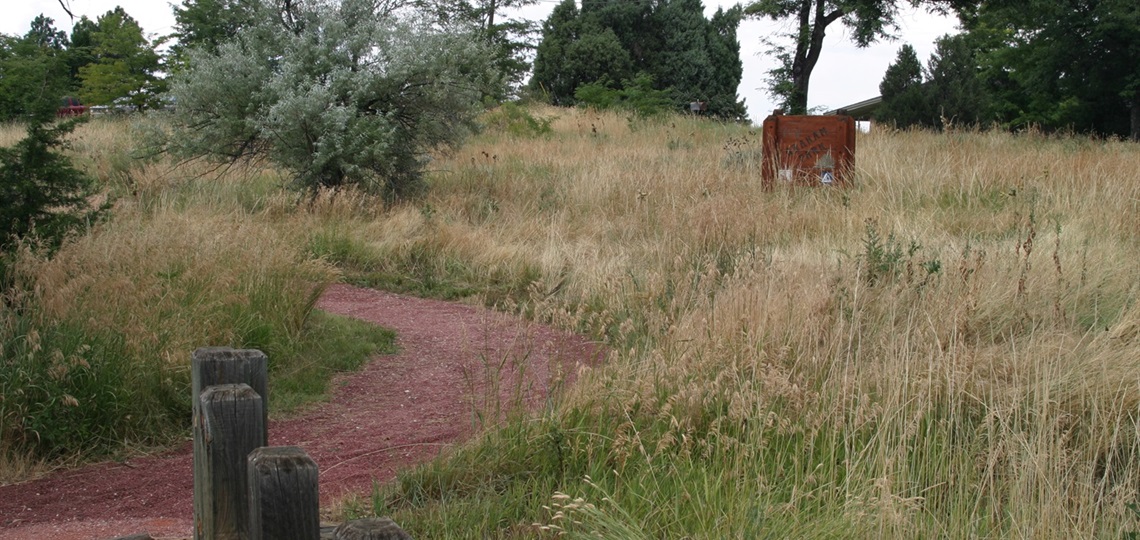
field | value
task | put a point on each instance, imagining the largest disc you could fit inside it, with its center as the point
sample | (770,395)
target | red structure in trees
(70,106)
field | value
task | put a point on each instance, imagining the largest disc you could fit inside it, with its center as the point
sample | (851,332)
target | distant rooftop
(862,110)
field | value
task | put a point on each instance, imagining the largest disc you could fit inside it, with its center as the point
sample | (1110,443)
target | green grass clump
(332,344)
(69,391)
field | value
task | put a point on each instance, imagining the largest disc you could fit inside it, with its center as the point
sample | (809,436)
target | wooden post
(284,501)
(222,365)
(370,529)
(231,427)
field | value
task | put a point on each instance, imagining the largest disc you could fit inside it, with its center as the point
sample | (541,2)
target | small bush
(884,260)
(637,96)
(41,192)
(513,119)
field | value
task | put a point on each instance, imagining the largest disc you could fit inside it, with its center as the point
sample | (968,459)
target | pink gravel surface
(400,410)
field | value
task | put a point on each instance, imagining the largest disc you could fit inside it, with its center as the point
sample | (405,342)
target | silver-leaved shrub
(337,93)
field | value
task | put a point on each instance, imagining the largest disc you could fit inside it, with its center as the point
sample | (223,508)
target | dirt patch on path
(400,410)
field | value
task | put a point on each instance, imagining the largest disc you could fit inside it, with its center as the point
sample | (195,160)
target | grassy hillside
(95,341)
(950,348)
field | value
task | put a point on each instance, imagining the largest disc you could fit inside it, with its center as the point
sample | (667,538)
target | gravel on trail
(400,410)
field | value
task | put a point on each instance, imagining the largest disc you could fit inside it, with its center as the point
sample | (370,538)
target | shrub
(514,119)
(339,96)
(41,192)
(637,96)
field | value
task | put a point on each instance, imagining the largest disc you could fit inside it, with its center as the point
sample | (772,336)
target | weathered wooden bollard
(242,488)
(232,428)
(223,365)
(230,420)
(284,502)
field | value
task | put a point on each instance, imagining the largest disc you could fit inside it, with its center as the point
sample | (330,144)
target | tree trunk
(813,28)
(801,71)
(1136,116)
(491,19)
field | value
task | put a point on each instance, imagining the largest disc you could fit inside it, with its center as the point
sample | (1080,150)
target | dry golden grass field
(950,348)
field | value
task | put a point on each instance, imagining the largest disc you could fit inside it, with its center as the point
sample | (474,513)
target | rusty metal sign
(808,150)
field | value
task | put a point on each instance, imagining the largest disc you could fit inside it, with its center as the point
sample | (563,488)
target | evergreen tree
(125,64)
(634,22)
(682,62)
(727,69)
(670,43)
(905,101)
(597,55)
(41,193)
(954,90)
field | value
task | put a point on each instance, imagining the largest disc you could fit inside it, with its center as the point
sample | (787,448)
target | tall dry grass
(947,349)
(95,338)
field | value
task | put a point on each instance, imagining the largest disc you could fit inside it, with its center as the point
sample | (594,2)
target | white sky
(844,75)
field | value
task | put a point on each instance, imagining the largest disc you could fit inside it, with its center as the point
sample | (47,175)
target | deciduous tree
(124,65)
(867,20)
(337,94)
(209,23)
(33,71)
(1063,64)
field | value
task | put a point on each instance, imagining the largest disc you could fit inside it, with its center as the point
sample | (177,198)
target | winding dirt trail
(400,410)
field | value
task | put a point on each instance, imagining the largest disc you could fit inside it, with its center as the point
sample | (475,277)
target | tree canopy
(103,61)
(1067,65)
(123,64)
(1062,64)
(867,20)
(206,24)
(671,43)
(510,39)
(950,91)
(33,71)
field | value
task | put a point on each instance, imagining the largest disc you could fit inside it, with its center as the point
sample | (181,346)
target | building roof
(862,110)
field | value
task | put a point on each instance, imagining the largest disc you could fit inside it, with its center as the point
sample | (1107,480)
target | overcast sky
(844,75)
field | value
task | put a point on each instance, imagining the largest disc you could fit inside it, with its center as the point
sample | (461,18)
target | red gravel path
(400,410)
